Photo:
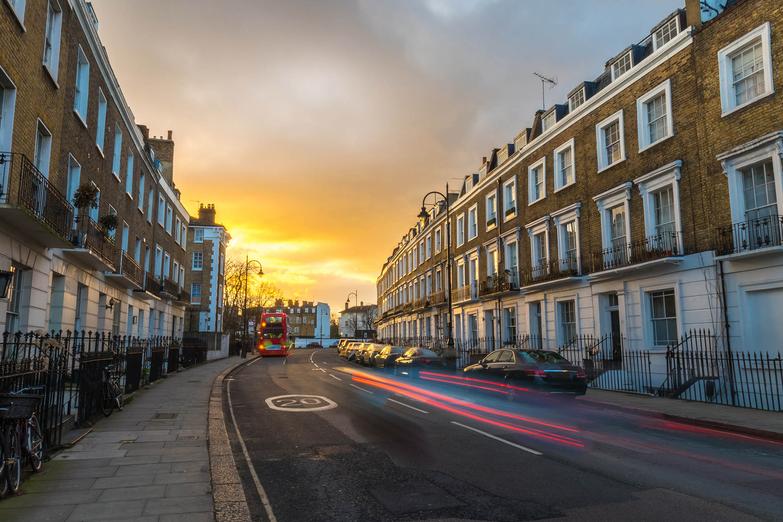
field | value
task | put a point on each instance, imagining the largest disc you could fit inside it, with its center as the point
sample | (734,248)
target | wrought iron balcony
(750,235)
(553,270)
(31,205)
(92,246)
(465,293)
(501,282)
(438,297)
(650,248)
(127,273)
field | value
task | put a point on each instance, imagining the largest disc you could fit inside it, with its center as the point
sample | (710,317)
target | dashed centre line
(504,441)
(406,405)
(333,376)
(362,389)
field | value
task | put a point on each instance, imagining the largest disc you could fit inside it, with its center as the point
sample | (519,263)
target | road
(439,448)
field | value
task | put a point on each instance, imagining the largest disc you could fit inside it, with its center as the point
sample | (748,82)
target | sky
(316,126)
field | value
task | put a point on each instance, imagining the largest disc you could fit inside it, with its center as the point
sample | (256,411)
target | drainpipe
(499,307)
(726,327)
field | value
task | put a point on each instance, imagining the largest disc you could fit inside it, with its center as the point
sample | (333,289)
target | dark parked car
(415,359)
(386,357)
(538,368)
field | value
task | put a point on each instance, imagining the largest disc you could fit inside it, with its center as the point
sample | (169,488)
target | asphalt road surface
(362,444)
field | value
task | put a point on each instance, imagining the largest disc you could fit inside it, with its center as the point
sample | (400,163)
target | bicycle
(112,393)
(20,436)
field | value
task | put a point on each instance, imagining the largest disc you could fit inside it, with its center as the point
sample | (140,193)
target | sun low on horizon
(316,156)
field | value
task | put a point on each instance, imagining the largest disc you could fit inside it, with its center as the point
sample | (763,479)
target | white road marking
(406,405)
(254,361)
(259,488)
(333,376)
(300,403)
(321,369)
(311,358)
(504,441)
(360,388)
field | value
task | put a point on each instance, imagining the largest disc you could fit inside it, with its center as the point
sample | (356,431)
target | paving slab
(133,465)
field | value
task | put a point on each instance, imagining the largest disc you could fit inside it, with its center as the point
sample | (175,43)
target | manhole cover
(165,415)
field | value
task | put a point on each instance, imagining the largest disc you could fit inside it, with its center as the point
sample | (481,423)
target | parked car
(386,357)
(538,368)
(415,359)
(355,350)
(369,354)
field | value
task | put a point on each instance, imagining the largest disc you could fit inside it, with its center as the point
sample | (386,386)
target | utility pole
(544,81)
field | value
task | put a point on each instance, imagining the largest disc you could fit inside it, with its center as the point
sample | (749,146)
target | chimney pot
(170,134)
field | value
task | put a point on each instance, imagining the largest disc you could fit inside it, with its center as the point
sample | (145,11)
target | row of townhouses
(644,206)
(93,235)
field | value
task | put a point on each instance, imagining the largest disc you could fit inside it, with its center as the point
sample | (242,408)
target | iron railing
(750,235)
(130,269)
(659,246)
(552,270)
(89,234)
(24,186)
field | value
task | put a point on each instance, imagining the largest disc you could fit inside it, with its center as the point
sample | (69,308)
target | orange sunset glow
(316,151)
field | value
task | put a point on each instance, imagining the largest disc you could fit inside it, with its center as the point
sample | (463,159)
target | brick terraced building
(66,127)
(646,205)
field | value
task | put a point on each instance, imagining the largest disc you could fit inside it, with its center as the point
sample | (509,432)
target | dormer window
(548,121)
(576,99)
(666,32)
(621,66)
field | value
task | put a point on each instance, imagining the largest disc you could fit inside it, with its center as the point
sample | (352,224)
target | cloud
(316,126)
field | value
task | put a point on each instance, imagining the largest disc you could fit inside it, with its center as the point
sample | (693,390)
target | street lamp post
(244,305)
(355,295)
(424,215)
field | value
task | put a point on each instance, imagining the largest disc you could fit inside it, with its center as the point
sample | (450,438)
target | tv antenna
(544,81)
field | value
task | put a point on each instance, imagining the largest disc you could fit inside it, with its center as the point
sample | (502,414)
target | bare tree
(260,293)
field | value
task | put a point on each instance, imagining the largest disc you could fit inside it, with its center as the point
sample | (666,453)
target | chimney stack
(206,214)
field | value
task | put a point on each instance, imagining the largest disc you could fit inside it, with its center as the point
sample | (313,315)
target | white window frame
(141,192)
(428,246)
(460,225)
(194,294)
(18,8)
(668,175)
(493,249)
(197,266)
(561,219)
(43,149)
(642,121)
(601,143)
(7,111)
(676,19)
(473,226)
(150,202)
(488,197)
(540,226)
(558,165)
(580,94)
(548,121)
(629,55)
(100,126)
(559,333)
(540,164)
(649,334)
(116,161)
(53,23)
(198,235)
(177,230)
(161,211)
(81,86)
(620,195)
(71,187)
(507,216)
(438,240)
(129,175)
(725,55)
(767,148)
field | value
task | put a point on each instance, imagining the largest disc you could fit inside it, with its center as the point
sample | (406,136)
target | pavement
(321,439)
(146,463)
(759,423)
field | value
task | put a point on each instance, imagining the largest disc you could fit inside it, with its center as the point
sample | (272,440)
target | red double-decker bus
(273,335)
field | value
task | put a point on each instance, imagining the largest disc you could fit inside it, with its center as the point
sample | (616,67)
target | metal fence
(72,368)
(695,368)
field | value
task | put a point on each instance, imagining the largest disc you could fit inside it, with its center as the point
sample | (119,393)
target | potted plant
(108,223)
(85,198)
